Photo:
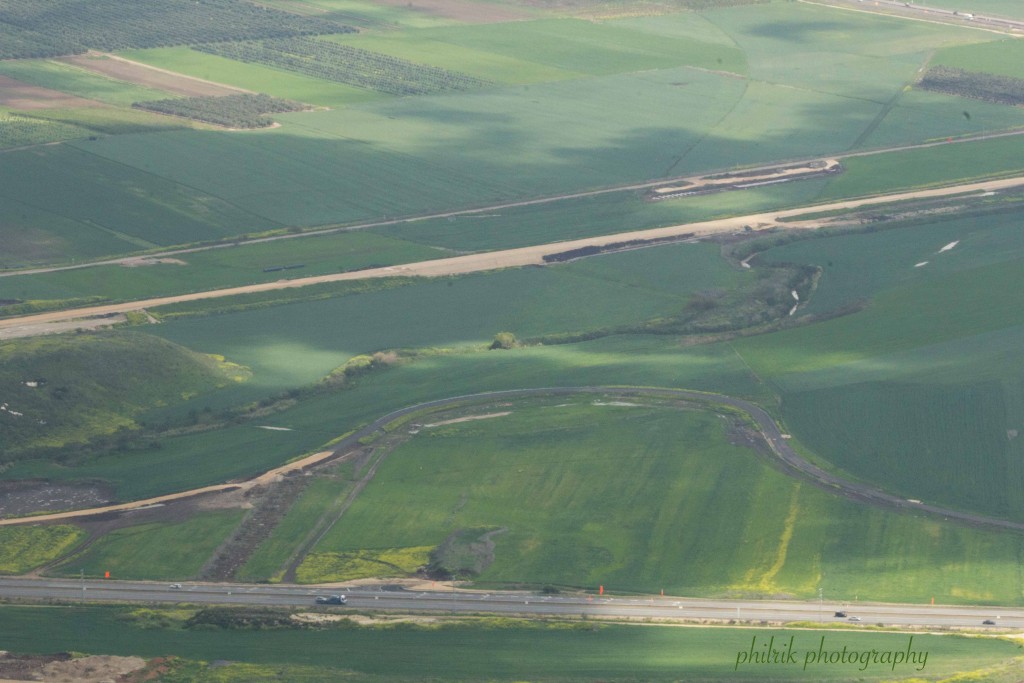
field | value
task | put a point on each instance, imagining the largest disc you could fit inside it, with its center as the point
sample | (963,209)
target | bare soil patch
(59,327)
(468,418)
(149,76)
(25,497)
(148,261)
(64,667)
(17,95)
(461,10)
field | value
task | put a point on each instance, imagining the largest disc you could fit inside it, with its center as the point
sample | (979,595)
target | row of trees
(343,64)
(234,111)
(40,28)
(979,86)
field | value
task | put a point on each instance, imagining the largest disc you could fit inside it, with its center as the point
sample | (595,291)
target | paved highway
(461,602)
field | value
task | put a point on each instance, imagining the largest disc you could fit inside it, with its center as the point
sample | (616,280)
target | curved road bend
(792,463)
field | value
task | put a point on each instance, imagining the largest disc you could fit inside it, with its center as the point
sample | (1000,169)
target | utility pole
(820,600)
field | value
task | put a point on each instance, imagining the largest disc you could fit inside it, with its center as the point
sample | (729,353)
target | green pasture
(243,450)
(425,47)
(499,650)
(26,547)
(88,194)
(77,81)
(405,156)
(366,15)
(157,551)
(647,498)
(587,47)
(18,130)
(856,267)
(814,47)
(603,214)
(70,389)
(938,165)
(222,267)
(963,304)
(255,77)
(999,8)
(287,346)
(269,559)
(919,391)
(922,116)
(1003,57)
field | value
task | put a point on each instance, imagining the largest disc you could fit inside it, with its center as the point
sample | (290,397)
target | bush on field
(978,86)
(234,111)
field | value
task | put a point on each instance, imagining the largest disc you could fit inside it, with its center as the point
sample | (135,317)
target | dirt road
(472,263)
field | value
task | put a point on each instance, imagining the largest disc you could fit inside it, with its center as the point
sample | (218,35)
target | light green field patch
(18,130)
(596,48)
(1003,57)
(255,77)
(362,564)
(77,81)
(216,268)
(26,547)
(640,497)
(922,116)
(164,551)
(422,47)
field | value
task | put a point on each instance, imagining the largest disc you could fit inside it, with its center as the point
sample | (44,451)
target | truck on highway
(331,600)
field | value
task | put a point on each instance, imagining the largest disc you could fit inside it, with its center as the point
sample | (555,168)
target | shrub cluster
(234,111)
(45,28)
(978,86)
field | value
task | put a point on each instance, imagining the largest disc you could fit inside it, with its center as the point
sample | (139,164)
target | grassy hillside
(65,390)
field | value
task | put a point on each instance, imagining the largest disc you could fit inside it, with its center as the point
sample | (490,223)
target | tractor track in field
(779,453)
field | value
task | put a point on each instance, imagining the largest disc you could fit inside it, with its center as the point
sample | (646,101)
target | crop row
(33,28)
(244,110)
(979,86)
(345,64)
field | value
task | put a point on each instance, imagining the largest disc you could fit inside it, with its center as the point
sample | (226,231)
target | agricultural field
(169,550)
(223,267)
(495,649)
(1001,57)
(75,81)
(285,84)
(627,493)
(110,25)
(921,383)
(231,111)
(26,547)
(887,348)
(60,391)
(345,64)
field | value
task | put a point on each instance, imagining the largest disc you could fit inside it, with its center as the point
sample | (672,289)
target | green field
(215,268)
(159,551)
(291,86)
(997,57)
(164,551)
(633,497)
(606,102)
(68,390)
(242,450)
(26,547)
(76,81)
(499,650)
